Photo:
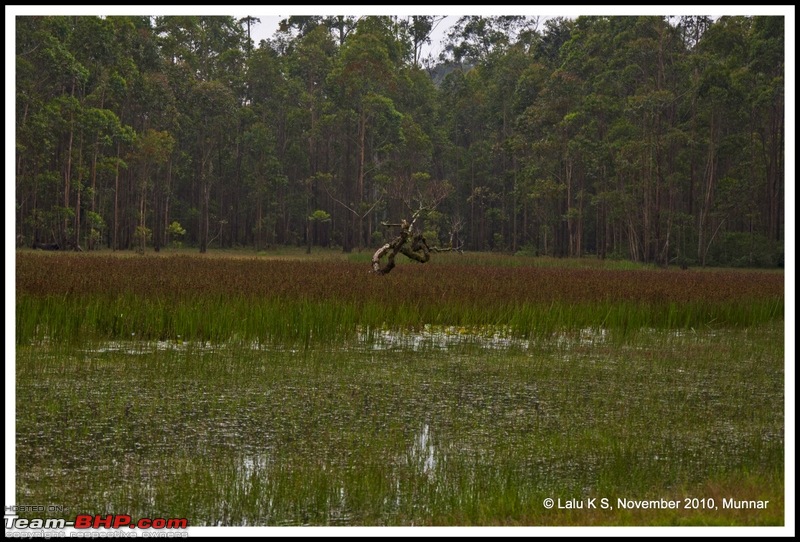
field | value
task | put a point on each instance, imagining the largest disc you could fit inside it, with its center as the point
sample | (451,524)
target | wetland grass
(284,321)
(73,298)
(243,391)
(468,435)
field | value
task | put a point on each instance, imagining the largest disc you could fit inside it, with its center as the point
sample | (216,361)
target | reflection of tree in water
(422,450)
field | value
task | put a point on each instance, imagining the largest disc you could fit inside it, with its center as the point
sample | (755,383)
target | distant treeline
(656,139)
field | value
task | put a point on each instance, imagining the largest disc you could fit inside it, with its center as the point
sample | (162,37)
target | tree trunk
(142,221)
(206,172)
(90,242)
(67,177)
(205,196)
(115,246)
(362,143)
(77,239)
(708,195)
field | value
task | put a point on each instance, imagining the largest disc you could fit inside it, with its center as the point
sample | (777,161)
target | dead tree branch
(419,251)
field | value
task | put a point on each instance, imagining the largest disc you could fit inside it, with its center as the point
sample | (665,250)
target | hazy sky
(270,15)
(269,24)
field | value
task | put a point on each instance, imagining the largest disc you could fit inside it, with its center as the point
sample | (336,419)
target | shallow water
(440,425)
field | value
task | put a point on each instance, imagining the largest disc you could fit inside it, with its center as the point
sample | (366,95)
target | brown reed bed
(181,276)
(155,297)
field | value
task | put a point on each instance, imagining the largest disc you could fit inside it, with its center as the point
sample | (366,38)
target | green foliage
(143,235)
(175,232)
(95,221)
(378,239)
(432,237)
(631,137)
(320,216)
(498,243)
(736,249)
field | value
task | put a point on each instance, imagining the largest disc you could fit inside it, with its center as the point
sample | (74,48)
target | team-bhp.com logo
(87,521)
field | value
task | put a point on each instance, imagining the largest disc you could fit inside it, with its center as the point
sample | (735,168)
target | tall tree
(658,139)
(214,107)
(365,75)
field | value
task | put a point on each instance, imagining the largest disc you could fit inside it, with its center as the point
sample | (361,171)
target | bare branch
(338,201)
(419,250)
(368,211)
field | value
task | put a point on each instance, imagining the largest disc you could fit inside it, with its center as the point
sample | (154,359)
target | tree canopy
(656,139)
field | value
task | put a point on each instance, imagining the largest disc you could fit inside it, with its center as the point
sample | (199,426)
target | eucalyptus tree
(474,37)
(501,73)
(362,83)
(261,120)
(206,64)
(248,21)
(309,63)
(740,102)
(466,150)
(45,50)
(152,152)
(551,164)
(418,30)
(766,95)
(71,84)
(263,177)
(213,120)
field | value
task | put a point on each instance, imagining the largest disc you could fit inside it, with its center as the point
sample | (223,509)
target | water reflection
(255,465)
(430,337)
(390,428)
(441,337)
(422,451)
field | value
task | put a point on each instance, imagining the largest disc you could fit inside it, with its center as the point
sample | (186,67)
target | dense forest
(656,139)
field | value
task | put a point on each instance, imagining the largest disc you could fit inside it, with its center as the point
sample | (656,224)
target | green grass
(293,390)
(283,321)
(74,298)
(468,435)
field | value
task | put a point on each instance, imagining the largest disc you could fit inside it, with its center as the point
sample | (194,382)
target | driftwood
(419,251)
